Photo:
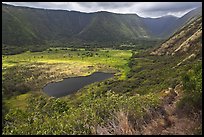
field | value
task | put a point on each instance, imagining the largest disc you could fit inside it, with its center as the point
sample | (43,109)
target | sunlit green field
(34,69)
(75,60)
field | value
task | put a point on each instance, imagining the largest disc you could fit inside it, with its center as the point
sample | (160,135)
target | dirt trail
(167,121)
(164,120)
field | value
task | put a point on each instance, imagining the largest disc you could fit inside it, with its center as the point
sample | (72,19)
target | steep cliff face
(31,26)
(187,40)
(23,26)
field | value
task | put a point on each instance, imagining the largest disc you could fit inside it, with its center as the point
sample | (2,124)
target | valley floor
(28,72)
(142,98)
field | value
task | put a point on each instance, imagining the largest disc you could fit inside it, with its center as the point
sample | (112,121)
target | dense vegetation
(38,68)
(95,105)
(30,26)
(140,44)
(153,83)
(57,116)
(192,81)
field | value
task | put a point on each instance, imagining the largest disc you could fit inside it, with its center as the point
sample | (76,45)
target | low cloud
(144,9)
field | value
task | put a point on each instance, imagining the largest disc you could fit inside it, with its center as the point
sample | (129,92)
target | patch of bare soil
(169,120)
(163,120)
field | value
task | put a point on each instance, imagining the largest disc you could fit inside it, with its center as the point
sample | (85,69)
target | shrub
(192,82)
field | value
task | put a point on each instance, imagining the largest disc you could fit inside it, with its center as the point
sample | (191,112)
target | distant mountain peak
(169,16)
(33,25)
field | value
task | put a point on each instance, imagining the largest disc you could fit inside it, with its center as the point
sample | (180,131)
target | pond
(71,85)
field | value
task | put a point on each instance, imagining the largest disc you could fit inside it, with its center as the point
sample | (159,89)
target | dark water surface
(71,85)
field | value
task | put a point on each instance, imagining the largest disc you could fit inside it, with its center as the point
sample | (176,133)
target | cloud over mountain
(151,9)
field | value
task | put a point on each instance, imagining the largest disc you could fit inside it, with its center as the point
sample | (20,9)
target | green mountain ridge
(157,91)
(187,40)
(29,26)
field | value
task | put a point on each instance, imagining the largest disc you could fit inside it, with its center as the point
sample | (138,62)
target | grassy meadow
(74,60)
(30,71)
(134,93)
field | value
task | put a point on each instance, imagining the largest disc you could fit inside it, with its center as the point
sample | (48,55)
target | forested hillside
(155,91)
(25,26)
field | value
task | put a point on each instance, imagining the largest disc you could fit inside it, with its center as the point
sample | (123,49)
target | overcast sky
(144,9)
